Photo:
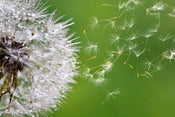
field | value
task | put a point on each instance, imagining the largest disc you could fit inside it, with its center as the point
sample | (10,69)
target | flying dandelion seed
(170,55)
(158,6)
(165,38)
(110,95)
(91,48)
(37,58)
(172,13)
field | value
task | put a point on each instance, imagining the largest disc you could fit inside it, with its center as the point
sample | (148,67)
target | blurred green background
(139,97)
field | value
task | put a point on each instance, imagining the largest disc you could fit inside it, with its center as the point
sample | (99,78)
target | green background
(139,97)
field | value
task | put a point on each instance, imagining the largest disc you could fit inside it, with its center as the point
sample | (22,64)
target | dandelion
(37,60)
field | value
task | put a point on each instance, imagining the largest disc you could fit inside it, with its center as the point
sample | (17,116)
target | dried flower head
(37,58)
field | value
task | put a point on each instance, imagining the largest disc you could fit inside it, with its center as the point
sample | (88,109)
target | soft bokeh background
(139,97)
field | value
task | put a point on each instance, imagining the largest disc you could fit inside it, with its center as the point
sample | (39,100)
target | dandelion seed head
(44,58)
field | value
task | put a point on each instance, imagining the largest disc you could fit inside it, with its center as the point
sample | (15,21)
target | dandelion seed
(158,67)
(37,59)
(142,75)
(148,34)
(120,52)
(105,4)
(111,95)
(155,29)
(169,55)
(91,48)
(124,26)
(114,38)
(133,36)
(165,38)
(100,73)
(121,5)
(131,46)
(114,18)
(136,2)
(99,81)
(172,13)
(110,55)
(109,5)
(138,53)
(107,67)
(87,73)
(130,24)
(148,74)
(158,6)
(84,32)
(94,23)
(148,65)
(110,24)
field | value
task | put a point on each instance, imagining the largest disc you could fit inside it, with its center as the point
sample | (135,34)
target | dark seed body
(13,58)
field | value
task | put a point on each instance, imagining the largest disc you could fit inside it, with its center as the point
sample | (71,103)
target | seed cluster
(12,55)
(13,58)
